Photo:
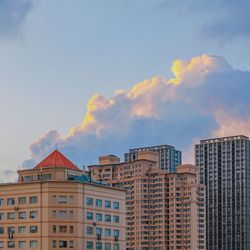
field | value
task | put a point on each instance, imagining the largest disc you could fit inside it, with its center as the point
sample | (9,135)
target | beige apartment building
(164,210)
(55,206)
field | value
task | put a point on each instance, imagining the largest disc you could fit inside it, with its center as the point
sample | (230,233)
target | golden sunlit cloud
(230,125)
(193,104)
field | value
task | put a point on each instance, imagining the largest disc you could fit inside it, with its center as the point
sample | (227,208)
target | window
(22,244)
(62,244)
(10,201)
(98,246)
(71,199)
(54,213)
(54,229)
(89,201)
(63,229)
(90,245)
(99,217)
(90,230)
(1,202)
(62,199)
(54,200)
(89,216)
(71,215)
(45,177)
(11,216)
(116,246)
(1,216)
(71,229)
(116,219)
(107,232)
(29,178)
(54,244)
(116,233)
(33,229)
(21,200)
(98,231)
(33,244)
(33,214)
(71,244)
(98,203)
(107,204)
(116,205)
(11,230)
(22,215)
(1,230)
(11,244)
(22,230)
(62,214)
(107,218)
(33,199)
(107,246)
(1,244)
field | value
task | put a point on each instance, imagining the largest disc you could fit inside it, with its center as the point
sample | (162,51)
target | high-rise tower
(169,157)
(224,166)
(163,210)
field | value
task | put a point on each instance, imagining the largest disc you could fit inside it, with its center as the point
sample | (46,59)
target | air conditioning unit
(10,235)
(116,238)
(16,208)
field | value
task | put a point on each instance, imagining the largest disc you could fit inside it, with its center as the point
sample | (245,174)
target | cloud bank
(205,97)
(12,16)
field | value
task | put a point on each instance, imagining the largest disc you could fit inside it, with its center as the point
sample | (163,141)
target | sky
(96,77)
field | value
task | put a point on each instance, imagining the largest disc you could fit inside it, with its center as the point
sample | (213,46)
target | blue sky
(55,55)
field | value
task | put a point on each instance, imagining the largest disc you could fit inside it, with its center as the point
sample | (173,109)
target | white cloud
(205,97)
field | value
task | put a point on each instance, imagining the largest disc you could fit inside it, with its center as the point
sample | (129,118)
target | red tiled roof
(56,159)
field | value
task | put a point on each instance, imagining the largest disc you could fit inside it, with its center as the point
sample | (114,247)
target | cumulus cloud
(205,97)
(12,16)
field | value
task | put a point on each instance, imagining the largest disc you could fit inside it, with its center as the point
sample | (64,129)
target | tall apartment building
(224,166)
(169,157)
(164,210)
(54,206)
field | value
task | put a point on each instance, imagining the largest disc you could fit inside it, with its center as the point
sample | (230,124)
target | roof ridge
(56,159)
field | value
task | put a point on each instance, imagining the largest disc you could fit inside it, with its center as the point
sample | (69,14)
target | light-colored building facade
(224,166)
(169,157)
(164,210)
(54,206)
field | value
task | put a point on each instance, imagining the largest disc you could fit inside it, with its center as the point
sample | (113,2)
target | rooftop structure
(56,159)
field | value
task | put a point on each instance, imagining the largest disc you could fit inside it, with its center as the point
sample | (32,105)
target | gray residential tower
(169,157)
(224,165)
